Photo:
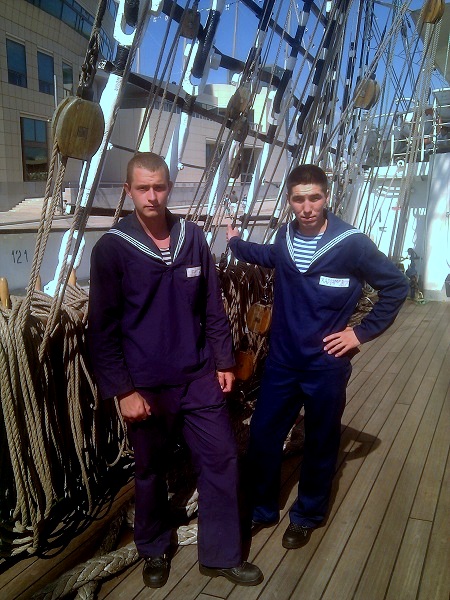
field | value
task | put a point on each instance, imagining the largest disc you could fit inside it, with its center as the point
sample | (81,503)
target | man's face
(308,202)
(149,191)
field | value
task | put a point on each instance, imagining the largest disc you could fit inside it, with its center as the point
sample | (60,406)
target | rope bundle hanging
(58,452)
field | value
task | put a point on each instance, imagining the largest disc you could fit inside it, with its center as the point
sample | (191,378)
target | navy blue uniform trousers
(283,393)
(206,427)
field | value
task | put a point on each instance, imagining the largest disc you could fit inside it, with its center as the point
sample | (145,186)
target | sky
(236,35)
(237,41)
(229,39)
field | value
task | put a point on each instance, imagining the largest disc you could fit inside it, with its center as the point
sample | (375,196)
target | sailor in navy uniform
(321,264)
(160,342)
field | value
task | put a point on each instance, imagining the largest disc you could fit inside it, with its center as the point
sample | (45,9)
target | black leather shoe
(296,536)
(156,571)
(245,574)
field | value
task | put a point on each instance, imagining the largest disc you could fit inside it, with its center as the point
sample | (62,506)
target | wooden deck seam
(442,508)
(418,438)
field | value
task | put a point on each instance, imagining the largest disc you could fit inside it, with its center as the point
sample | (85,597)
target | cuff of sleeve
(233,241)
(361,334)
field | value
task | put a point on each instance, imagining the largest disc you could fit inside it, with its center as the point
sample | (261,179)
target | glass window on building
(212,154)
(17,63)
(74,15)
(34,149)
(53,7)
(67,75)
(248,159)
(113,8)
(45,73)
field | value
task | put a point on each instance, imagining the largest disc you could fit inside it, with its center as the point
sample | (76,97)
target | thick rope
(50,411)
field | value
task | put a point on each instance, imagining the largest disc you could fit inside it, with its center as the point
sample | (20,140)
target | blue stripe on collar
(145,249)
(319,253)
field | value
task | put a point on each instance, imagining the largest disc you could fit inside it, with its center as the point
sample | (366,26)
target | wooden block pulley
(259,317)
(238,103)
(433,11)
(368,94)
(245,363)
(190,23)
(78,126)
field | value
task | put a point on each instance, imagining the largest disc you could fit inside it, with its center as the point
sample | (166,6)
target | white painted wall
(427,228)
(17,251)
(437,227)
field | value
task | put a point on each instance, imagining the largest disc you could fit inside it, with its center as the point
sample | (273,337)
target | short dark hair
(307,174)
(147,160)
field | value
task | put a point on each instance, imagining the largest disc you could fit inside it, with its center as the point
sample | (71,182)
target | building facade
(42,47)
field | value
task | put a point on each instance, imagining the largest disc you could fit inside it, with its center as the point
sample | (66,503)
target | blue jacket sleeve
(103,332)
(258,254)
(392,286)
(217,325)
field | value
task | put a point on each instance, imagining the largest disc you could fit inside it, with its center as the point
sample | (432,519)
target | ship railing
(409,138)
(417,139)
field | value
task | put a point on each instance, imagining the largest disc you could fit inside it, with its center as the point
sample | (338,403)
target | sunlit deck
(387,534)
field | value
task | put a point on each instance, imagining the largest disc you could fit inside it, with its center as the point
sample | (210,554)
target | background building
(42,47)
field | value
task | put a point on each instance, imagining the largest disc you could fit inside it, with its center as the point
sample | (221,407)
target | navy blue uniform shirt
(151,324)
(309,306)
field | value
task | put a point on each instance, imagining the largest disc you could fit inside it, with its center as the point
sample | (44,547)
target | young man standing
(320,266)
(159,341)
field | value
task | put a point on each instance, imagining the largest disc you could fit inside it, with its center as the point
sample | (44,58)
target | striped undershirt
(165,253)
(304,248)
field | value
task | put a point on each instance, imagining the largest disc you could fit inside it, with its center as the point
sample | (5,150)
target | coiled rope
(49,405)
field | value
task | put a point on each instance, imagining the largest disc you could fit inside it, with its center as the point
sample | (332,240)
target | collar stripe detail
(143,248)
(135,243)
(324,249)
(181,238)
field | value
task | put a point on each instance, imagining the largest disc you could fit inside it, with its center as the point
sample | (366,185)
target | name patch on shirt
(193,271)
(332,282)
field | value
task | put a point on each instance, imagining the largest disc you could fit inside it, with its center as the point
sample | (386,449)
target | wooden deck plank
(393,391)
(382,375)
(326,558)
(29,575)
(372,353)
(353,560)
(406,577)
(378,569)
(424,366)
(357,381)
(427,494)
(283,568)
(435,581)
(422,317)
(405,362)
(363,404)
